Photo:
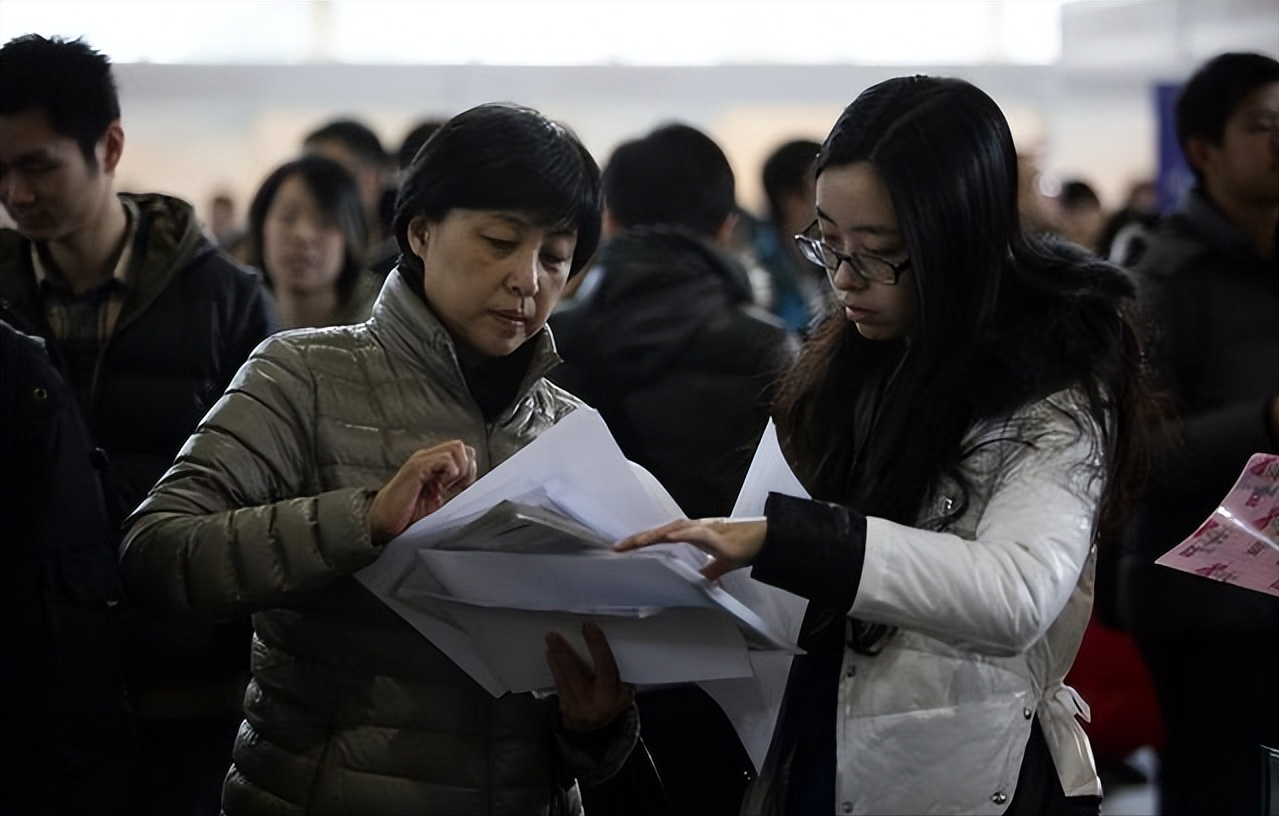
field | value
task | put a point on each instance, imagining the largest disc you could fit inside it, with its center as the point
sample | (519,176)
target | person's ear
(796,209)
(111,147)
(1198,151)
(418,234)
(724,235)
(610,226)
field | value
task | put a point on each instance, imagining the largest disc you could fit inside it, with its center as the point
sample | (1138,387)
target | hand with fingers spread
(590,696)
(424,483)
(731,543)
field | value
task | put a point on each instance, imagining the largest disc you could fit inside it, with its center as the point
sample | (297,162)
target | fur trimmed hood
(1056,327)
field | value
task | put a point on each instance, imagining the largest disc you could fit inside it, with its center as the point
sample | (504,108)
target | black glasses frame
(870,267)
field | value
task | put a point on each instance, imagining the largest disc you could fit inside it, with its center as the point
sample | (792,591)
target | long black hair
(1003,320)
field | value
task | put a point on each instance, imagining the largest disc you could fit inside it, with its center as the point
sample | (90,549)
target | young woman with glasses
(971,427)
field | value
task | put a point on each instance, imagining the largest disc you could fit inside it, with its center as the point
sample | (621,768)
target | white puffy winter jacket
(989,609)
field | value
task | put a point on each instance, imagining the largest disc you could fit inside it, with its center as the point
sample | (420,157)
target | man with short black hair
(1209,282)
(663,338)
(148,323)
(1079,214)
(801,294)
(356,147)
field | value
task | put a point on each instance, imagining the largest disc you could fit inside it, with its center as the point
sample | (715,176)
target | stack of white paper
(526,550)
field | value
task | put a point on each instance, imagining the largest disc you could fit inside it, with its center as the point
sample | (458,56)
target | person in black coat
(1209,283)
(68,742)
(148,322)
(664,340)
(663,337)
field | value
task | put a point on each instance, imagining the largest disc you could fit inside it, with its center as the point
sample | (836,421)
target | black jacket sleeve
(813,549)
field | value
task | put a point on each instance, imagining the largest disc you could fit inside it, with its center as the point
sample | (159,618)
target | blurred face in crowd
(368,176)
(492,277)
(1083,224)
(47,186)
(1035,208)
(302,245)
(1245,166)
(856,215)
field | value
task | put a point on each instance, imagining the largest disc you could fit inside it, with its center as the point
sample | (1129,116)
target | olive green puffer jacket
(350,710)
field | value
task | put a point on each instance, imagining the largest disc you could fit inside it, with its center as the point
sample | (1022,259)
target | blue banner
(1173,177)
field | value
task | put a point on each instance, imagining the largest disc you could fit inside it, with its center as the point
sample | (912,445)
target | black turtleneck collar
(494,382)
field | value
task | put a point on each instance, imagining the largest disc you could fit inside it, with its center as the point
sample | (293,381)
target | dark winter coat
(350,709)
(1214,311)
(665,342)
(1213,308)
(67,744)
(184,329)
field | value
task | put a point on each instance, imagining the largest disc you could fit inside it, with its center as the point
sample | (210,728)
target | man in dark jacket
(662,336)
(148,323)
(1210,284)
(801,295)
(663,339)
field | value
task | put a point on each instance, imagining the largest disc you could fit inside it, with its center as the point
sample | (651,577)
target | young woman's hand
(590,696)
(731,543)
(423,484)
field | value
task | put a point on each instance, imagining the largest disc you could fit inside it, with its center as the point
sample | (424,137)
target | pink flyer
(1239,543)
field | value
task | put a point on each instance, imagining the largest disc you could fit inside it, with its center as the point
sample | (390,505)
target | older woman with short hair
(330,443)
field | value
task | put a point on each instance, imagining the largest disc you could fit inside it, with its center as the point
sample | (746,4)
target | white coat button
(850,671)
(1026,712)
(847,807)
(999,798)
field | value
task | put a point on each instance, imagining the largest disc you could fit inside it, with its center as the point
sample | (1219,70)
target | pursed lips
(512,315)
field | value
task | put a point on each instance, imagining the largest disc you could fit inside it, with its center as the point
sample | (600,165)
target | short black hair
(336,192)
(501,156)
(1075,194)
(674,175)
(357,137)
(71,83)
(1215,90)
(789,170)
(414,139)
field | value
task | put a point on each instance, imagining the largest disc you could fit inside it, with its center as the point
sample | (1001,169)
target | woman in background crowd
(307,234)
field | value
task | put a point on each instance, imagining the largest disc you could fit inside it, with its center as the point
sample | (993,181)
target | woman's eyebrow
(510,218)
(865,229)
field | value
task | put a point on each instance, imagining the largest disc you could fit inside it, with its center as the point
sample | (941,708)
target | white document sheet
(606,582)
(663,621)
(752,706)
(576,465)
(699,642)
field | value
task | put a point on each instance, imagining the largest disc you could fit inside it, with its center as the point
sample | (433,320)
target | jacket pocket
(89,577)
(77,592)
(955,759)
